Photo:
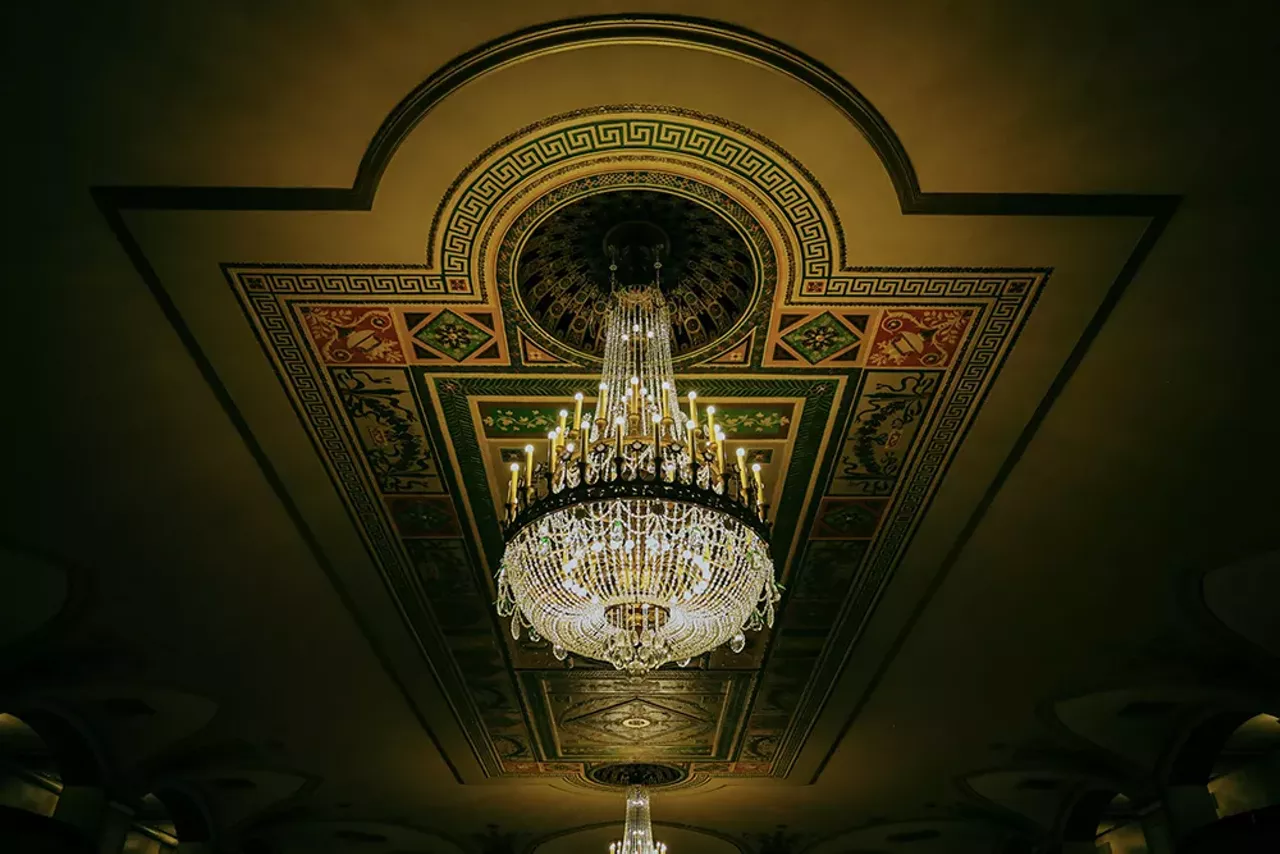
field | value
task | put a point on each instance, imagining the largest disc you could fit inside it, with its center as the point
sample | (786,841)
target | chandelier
(635,542)
(637,832)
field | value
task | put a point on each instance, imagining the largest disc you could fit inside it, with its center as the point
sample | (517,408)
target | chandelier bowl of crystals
(633,542)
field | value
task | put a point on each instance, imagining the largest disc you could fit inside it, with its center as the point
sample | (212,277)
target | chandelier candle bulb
(693,411)
(564,416)
(514,492)
(742,471)
(711,423)
(755,471)
(528,467)
(601,410)
(551,452)
(577,410)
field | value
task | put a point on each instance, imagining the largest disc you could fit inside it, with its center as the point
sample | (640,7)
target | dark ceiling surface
(1049,225)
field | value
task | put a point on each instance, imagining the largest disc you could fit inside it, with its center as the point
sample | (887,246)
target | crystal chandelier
(637,832)
(634,542)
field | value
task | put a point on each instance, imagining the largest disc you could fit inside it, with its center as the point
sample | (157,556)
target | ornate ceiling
(378,332)
(853,387)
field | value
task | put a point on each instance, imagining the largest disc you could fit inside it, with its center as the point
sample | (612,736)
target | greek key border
(749,161)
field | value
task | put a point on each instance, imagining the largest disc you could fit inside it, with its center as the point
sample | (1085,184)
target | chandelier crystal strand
(635,543)
(637,831)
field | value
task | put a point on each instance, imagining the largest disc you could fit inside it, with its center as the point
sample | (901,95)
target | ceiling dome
(562,271)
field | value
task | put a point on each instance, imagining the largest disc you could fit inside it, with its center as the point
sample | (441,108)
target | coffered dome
(708,273)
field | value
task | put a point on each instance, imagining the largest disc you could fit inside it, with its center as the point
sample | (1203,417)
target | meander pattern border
(760,167)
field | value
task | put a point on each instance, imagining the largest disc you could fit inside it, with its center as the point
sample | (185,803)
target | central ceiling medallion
(562,271)
(636,542)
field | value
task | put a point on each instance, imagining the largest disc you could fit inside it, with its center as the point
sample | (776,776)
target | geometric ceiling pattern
(417,370)
(854,395)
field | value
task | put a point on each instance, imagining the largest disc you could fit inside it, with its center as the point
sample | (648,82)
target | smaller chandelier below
(637,832)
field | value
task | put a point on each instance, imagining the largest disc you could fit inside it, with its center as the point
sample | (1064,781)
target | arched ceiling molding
(672,30)
(680,31)
(775,208)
